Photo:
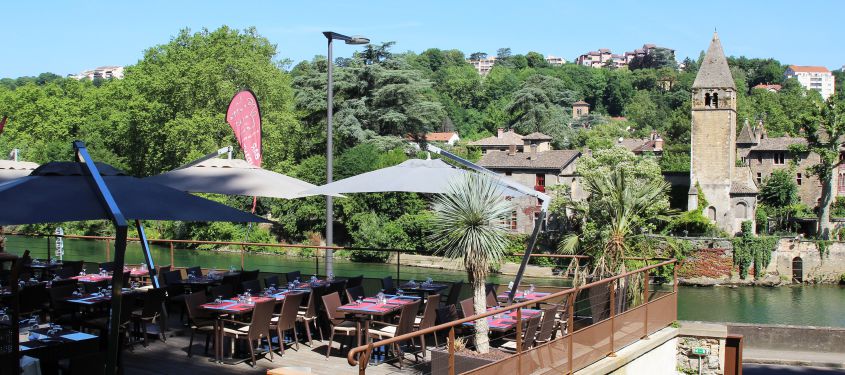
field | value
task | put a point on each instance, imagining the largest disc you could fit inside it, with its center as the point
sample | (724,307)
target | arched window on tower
(716,100)
(707,99)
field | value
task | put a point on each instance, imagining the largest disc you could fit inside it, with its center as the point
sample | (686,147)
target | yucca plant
(469,224)
(622,202)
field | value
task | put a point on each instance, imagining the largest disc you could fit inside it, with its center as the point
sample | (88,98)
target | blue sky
(70,36)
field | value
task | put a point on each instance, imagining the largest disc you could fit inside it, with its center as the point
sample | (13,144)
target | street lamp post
(331,36)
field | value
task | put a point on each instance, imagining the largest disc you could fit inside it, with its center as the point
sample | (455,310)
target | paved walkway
(756,369)
(794,358)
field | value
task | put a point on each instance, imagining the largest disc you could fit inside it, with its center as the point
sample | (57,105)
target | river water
(818,305)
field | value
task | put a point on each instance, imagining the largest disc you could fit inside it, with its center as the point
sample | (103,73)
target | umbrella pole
(531,244)
(148,257)
(120,225)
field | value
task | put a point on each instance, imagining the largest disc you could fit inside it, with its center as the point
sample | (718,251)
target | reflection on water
(819,305)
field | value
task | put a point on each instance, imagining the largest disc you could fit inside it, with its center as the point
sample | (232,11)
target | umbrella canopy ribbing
(59,191)
(11,169)
(232,177)
(414,176)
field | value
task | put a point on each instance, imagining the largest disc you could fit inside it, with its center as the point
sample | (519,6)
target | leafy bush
(750,250)
(374,231)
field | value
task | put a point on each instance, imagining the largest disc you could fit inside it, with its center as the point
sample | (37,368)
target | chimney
(512,150)
(501,133)
(658,143)
(533,154)
(654,135)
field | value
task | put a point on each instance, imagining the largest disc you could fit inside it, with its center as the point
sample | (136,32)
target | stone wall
(712,263)
(688,363)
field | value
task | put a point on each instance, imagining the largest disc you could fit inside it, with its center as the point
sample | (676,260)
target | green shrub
(750,250)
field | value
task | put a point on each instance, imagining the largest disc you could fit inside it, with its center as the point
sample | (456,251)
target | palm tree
(619,205)
(469,224)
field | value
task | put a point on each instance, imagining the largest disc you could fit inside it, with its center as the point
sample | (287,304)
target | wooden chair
(64,282)
(454,293)
(107,266)
(271,281)
(336,320)
(286,320)
(292,276)
(61,311)
(199,321)
(355,292)
(196,271)
(387,285)
(338,286)
(224,291)
(152,311)
(34,300)
(428,319)
(250,275)
(253,332)
(547,325)
(253,286)
(405,325)
(308,316)
(467,307)
(355,281)
(528,336)
(491,300)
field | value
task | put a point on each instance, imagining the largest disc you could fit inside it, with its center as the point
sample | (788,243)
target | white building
(484,65)
(816,78)
(555,61)
(103,72)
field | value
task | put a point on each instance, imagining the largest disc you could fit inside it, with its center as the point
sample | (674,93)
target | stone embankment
(793,261)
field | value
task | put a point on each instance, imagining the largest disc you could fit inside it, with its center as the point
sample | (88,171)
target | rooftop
(440,136)
(714,71)
(808,69)
(537,136)
(552,159)
(508,138)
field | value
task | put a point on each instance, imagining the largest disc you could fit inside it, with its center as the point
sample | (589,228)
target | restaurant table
(50,347)
(522,296)
(506,321)
(45,269)
(92,278)
(370,307)
(423,289)
(228,307)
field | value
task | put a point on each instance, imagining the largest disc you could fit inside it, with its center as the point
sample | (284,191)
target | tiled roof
(768,86)
(439,137)
(778,143)
(714,71)
(580,102)
(508,138)
(809,69)
(738,187)
(553,159)
(745,135)
(638,145)
(536,136)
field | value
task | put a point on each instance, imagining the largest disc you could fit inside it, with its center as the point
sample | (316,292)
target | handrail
(351,356)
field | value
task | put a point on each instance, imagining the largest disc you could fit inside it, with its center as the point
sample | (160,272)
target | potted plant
(469,224)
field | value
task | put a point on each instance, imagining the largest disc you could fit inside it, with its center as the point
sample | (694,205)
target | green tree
(469,225)
(825,129)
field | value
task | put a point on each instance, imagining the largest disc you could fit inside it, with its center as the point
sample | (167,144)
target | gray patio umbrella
(11,169)
(81,191)
(414,176)
(232,177)
(60,191)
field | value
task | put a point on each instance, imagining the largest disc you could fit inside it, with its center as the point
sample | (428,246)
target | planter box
(463,363)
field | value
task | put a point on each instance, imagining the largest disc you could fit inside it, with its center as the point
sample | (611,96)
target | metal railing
(628,317)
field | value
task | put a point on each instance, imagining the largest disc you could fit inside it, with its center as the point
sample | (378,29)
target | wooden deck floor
(171,358)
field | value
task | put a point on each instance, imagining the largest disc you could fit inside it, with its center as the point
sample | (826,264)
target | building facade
(604,57)
(103,72)
(816,78)
(483,66)
(729,189)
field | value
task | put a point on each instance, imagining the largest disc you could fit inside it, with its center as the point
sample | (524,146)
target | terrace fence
(601,317)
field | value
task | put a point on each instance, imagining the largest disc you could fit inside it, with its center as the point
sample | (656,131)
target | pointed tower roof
(714,71)
(746,135)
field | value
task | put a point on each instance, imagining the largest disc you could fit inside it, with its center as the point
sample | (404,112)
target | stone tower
(729,190)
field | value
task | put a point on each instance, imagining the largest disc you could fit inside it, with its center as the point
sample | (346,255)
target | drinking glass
(219,300)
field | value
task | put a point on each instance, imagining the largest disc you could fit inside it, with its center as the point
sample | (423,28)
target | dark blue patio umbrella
(85,190)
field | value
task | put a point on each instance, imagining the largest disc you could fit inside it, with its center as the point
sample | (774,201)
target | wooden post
(570,328)
(612,316)
(452,351)
(364,359)
(519,331)
(645,302)
(172,259)
(108,249)
(243,250)
(398,254)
